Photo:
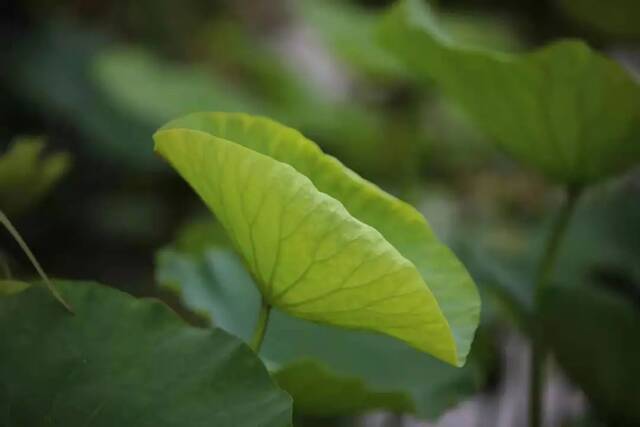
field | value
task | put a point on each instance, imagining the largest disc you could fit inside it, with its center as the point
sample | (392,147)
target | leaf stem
(4,266)
(25,248)
(543,275)
(261,327)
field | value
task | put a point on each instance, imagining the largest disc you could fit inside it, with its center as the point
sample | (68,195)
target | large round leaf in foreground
(120,361)
(322,243)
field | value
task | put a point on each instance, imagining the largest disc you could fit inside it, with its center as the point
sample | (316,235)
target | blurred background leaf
(591,332)
(27,175)
(564,109)
(613,18)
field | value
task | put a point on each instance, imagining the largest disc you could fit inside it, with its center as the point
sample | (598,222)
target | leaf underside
(565,110)
(322,243)
(358,371)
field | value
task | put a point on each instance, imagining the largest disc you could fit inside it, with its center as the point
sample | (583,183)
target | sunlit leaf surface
(593,333)
(328,371)
(324,244)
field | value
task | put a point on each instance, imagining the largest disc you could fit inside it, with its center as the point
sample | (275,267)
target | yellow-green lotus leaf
(322,243)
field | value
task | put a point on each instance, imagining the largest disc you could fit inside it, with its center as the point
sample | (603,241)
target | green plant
(323,368)
(122,361)
(311,295)
(313,256)
(321,245)
(26,175)
(618,19)
(564,110)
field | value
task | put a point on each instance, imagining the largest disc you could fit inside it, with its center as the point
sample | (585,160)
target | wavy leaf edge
(575,167)
(452,352)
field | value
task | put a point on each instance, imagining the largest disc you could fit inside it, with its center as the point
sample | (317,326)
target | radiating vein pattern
(322,243)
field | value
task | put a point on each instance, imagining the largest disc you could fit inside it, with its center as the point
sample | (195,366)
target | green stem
(543,275)
(23,245)
(536,374)
(4,266)
(261,327)
(550,255)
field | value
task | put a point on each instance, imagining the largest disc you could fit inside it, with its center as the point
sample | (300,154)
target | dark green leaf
(594,335)
(323,243)
(611,17)
(51,69)
(120,361)
(319,391)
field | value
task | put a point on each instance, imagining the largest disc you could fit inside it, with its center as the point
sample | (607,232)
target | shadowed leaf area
(328,371)
(125,361)
(576,319)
